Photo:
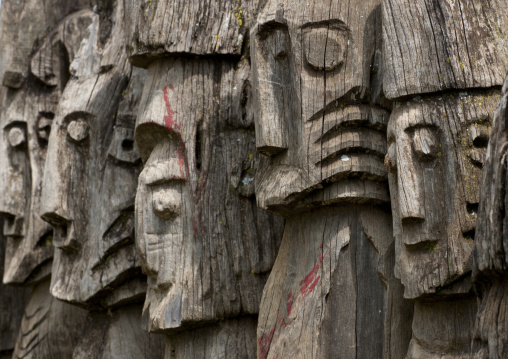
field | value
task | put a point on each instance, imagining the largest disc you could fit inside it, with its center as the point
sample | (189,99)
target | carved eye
(44,123)
(425,143)
(122,146)
(325,48)
(17,136)
(77,130)
(279,44)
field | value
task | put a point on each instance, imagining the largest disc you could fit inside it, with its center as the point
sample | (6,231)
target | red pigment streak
(168,119)
(309,282)
(289,304)
(264,343)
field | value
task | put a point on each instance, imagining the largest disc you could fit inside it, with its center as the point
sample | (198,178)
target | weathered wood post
(490,339)
(38,39)
(88,192)
(321,125)
(205,246)
(444,63)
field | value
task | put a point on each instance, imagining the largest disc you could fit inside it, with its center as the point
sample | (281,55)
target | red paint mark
(309,282)
(169,121)
(264,343)
(289,305)
(321,246)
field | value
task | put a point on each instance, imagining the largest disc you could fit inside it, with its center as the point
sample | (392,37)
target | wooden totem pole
(490,277)
(34,74)
(88,192)
(205,246)
(444,63)
(321,126)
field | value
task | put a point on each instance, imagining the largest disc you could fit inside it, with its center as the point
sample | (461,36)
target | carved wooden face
(435,158)
(195,213)
(316,80)
(26,123)
(90,177)
(24,150)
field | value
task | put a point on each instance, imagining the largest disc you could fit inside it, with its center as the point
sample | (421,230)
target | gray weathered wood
(117,334)
(449,56)
(490,271)
(437,45)
(229,339)
(50,328)
(28,114)
(158,28)
(204,245)
(12,305)
(26,24)
(321,125)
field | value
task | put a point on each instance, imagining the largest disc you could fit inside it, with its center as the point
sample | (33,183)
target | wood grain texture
(204,245)
(117,334)
(229,339)
(26,23)
(437,45)
(26,121)
(490,261)
(50,328)
(162,27)
(319,123)
(332,292)
(90,173)
(12,305)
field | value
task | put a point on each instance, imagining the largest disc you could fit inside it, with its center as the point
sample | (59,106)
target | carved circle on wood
(17,136)
(77,130)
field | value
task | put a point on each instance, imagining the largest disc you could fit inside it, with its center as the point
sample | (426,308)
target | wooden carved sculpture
(49,328)
(12,305)
(490,339)
(88,192)
(321,126)
(205,246)
(436,153)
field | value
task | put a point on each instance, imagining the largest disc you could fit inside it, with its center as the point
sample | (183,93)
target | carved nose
(269,116)
(271,134)
(410,186)
(13,225)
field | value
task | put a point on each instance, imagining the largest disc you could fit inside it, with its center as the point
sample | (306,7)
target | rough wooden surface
(50,328)
(321,125)
(162,27)
(90,175)
(12,305)
(490,270)
(318,119)
(229,339)
(436,153)
(328,293)
(117,334)
(431,46)
(204,245)
(26,23)
(26,121)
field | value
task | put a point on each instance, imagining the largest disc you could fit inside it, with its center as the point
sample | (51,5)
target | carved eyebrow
(13,123)
(331,23)
(162,172)
(272,24)
(414,126)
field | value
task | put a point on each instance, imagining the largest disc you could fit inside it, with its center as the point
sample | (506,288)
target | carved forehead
(444,111)
(14,111)
(298,14)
